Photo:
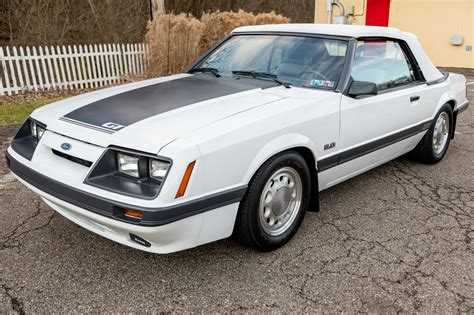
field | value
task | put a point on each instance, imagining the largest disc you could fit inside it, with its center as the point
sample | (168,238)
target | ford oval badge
(66,146)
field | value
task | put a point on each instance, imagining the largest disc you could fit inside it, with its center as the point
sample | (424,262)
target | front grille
(73,158)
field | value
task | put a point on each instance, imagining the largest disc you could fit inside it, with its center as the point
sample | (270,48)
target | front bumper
(183,234)
(109,208)
(165,230)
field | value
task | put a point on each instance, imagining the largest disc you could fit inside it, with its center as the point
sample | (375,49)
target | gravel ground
(395,239)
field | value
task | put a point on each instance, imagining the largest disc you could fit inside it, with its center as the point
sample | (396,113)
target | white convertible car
(244,140)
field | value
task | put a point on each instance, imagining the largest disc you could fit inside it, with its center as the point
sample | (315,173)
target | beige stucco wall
(433,21)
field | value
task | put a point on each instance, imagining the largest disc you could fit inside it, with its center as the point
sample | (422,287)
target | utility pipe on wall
(329,10)
(340,6)
(329,5)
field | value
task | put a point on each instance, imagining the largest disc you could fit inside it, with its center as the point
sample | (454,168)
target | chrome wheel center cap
(281,201)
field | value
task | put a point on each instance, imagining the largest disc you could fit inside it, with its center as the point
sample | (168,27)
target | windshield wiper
(214,71)
(257,74)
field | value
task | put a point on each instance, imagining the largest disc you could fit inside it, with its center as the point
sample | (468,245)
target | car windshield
(300,61)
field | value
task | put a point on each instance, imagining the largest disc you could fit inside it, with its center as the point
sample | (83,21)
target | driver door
(375,129)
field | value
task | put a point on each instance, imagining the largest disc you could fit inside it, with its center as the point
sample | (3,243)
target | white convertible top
(430,72)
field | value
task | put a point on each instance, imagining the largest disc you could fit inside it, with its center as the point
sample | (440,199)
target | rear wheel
(435,143)
(275,203)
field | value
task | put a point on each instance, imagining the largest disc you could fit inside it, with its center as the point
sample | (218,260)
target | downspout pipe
(329,10)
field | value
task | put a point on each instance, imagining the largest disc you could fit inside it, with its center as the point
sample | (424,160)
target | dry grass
(188,37)
(182,32)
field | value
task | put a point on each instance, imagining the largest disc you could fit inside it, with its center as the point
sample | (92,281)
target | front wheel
(435,143)
(275,203)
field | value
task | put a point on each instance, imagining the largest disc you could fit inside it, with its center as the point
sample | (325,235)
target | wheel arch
(290,142)
(452,103)
(446,98)
(310,159)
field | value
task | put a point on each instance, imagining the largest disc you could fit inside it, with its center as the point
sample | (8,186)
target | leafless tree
(39,22)
(299,11)
(51,22)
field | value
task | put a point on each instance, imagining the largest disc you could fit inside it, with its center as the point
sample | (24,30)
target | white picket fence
(69,67)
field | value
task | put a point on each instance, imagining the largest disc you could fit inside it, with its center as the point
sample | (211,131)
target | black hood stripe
(72,121)
(118,111)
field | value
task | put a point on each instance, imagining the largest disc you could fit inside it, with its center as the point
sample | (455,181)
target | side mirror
(362,88)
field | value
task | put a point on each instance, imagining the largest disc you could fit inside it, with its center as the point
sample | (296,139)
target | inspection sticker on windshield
(325,83)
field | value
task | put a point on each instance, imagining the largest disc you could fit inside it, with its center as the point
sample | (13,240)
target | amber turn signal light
(185,180)
(133,213)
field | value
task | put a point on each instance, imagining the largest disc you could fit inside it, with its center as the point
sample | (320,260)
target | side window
(383,62)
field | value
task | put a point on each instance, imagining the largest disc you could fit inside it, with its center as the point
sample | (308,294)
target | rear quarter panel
(453,89)
(457,88)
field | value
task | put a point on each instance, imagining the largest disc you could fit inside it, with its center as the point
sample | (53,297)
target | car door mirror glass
(362,88)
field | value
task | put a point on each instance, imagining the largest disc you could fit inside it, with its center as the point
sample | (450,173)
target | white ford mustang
(244,141)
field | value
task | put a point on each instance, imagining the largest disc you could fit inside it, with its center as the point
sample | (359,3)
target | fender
(445,98)
(275,146)
(188,152)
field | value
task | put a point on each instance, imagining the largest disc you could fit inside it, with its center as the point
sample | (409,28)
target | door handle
(414,98)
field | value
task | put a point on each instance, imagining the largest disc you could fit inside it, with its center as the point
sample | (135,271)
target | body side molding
(354,153)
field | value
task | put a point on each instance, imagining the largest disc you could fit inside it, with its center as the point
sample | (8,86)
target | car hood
(149,114)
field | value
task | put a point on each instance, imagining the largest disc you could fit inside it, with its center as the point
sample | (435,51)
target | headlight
(158,169)
(128,164)
(27,138)
(37,131)
(129,172)
(34,130)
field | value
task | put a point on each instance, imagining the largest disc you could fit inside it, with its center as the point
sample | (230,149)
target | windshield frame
(345,75)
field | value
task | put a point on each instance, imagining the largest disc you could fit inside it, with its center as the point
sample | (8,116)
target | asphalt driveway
(397,238)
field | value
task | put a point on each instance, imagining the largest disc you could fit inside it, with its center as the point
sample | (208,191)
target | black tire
(424,151)
(248,228)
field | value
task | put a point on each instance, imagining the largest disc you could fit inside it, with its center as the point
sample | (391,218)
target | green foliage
(16,113)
